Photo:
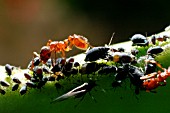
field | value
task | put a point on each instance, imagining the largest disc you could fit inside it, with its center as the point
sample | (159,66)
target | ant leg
(66,42)
(63,55)
(55,57)
(35,54)
(148,76)
(155,62)
(52,60)
(162,84)
(70,46)
(90,45)
(32,64)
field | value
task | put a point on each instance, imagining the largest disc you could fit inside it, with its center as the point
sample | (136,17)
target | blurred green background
(26,25)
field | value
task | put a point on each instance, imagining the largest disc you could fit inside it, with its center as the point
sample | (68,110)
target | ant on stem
(78,41)
(61,46)
(155,79)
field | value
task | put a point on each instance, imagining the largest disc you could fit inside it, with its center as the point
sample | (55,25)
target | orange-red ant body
(153,80)
(61,46)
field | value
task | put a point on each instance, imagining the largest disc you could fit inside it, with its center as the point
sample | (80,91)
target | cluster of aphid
(46,66)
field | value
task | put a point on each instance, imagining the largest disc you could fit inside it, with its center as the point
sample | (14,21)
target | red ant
(151,82)
(61,46)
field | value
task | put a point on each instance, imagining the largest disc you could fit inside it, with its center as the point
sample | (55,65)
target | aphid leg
(93,97)
(63,55)
(87,50)
(90,45)
(79,101)
(55,57)
(111,39)
(137,93)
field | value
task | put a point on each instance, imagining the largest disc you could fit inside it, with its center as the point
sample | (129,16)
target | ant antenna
(111,39)
(146,34)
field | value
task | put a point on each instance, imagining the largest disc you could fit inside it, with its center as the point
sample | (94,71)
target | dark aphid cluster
(152,78)
(130,72)
(159,38)
(123,65)
(43,72)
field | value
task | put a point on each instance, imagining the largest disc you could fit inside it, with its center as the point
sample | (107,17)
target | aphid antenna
(146,34)
(92,97)
(111,38)
(35,54)
(87,50)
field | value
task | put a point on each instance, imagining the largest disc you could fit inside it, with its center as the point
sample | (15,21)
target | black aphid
(108,69)
(154,50)
(15,87)
(27,76)
(139,40)
(42,82)
(2,91)
(122,57)
(121,49)
(34,62)
(4,83)
(30,84)
(38,72)
(16,80)
(150,68)
(23,89)
(89,68)
(51,78)
(97,53)
(9,69)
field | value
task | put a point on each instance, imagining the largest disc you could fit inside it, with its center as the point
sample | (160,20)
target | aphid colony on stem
(125,68)
(46,67)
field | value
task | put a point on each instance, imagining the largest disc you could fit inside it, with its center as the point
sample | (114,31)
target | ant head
(45,53)
(49,42)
